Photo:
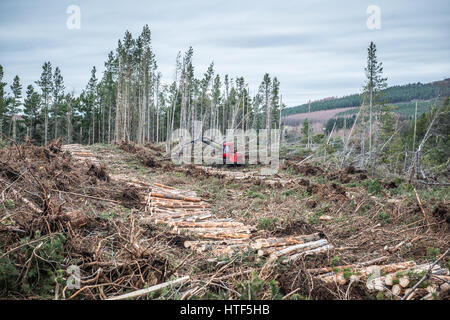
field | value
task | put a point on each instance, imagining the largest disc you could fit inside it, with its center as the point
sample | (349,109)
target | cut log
(410,296)
(29,204)
(174,197)
(163,186)
(175,210)
(396,289)
(445,287)
(340,268)
(219,236)
(375,284)
(198,243)
(206,224)
(299,248)
(404,281)
(268,251)
(169,217)
(389,279)
(143,292)
(243,229)
(431,288)
(319,250)
(166,220)
(394,267)
(279,242)
(83,154)
(183,206)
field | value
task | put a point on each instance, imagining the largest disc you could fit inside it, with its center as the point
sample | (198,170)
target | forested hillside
(394,94)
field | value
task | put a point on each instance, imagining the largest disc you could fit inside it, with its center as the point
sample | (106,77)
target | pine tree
(275,103)
(266,90)
(46,85)
(31,110)
(69,99)
(58,97)
(3,102)
(16,89)
(389,142)
(109,89)
(375,83)
(91,103)
(306,131)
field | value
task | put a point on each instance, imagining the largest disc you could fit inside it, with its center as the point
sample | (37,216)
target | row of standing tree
(131,101)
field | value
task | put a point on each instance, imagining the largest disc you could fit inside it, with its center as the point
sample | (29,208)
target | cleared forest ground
(363,219)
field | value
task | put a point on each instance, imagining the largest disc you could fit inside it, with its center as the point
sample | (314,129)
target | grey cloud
(316,48)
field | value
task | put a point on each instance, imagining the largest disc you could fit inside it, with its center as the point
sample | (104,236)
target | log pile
(188,214)
(239,176)
(80,153)
(393,281)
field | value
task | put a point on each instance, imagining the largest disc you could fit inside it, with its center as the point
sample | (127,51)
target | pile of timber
(268,180)
(186,213)
(394,280)
(80,153)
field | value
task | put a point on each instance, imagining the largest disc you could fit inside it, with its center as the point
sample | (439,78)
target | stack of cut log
(186,213)
(240,176)
(80,153)
(291,248)
(393,280)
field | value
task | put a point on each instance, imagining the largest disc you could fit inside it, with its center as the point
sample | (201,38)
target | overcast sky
(316,48)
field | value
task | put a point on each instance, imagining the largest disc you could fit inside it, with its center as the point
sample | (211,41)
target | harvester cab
(230,156)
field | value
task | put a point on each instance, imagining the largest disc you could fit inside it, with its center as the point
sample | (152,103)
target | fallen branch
(142,292)
(421,207)
(425,276)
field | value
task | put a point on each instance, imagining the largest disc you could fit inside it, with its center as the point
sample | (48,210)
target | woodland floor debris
(130,223)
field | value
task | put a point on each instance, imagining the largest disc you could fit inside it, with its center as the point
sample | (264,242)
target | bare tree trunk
(370,126)
(109,121)
(415,124)
(117,126)
(69,123)
(46,122)
(268,120)
(56,127)
(14,127)
(93,124)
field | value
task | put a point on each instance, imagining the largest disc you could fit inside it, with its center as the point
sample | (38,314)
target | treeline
(392,94)
(338,123)
(406,110)
(130,101)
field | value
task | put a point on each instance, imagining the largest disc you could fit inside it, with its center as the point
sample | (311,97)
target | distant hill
(394,94)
